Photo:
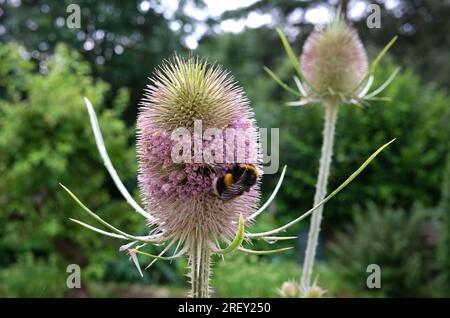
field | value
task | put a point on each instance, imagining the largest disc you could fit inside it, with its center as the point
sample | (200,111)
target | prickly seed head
(180,195)
(334,60)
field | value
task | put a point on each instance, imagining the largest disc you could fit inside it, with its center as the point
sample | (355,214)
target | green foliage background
(396,213)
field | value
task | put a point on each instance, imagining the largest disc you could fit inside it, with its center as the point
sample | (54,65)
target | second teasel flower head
(333,67)
(334,60)
(196,96)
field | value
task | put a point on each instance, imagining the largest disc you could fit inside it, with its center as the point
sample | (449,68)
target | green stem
(331,110)
(199,263)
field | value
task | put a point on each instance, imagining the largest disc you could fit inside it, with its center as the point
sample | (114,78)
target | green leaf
(107,161)
(329,197)
(93,228)
(277,238)
(280,82)
(375,62)
(165,258)
(248,251)
(237,240)
(272,196)
(383,52)
(99,219)
(384,85)
(290,53)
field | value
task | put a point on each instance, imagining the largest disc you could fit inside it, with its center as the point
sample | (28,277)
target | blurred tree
(396,241)
(45,138)
(423,42)
(444,249)
(33,277)
(121,40)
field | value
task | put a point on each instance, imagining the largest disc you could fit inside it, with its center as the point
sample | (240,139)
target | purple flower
(179,195)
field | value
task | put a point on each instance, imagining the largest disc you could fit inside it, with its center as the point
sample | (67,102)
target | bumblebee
(237,180)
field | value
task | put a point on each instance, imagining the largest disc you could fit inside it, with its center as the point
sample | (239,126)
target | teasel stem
(331,110)
(200,265)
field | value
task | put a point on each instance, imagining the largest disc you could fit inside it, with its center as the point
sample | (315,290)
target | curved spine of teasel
(180,196)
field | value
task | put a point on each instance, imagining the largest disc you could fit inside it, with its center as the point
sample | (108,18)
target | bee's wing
(236,188)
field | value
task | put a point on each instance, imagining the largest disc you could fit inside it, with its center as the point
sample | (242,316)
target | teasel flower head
(194,96)
(333,67)
(334,60)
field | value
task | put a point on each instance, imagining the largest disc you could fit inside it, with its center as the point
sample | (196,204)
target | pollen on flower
(179,194)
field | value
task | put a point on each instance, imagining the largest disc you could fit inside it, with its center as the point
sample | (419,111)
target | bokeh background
(396,214)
